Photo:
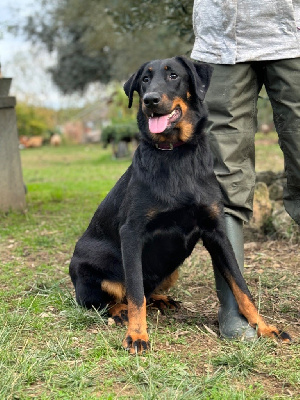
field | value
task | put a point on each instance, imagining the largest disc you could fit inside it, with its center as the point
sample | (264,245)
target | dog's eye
(173,75)
(146,79)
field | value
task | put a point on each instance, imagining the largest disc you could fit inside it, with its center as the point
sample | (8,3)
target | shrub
(34,121)
(119,132)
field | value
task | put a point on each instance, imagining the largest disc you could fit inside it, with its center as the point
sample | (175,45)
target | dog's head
(171,93)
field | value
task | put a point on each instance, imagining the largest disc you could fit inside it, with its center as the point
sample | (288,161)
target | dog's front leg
(136,339)
(224,260)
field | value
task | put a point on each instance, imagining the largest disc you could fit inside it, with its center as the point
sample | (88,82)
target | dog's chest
(182,222)
(170,238)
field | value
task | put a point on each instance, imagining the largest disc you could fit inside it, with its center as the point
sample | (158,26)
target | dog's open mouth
(159,123)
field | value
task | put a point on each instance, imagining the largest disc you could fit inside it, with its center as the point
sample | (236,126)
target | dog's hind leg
(161,301)
(90,295)
(119,312)
(117,309)
(168,282)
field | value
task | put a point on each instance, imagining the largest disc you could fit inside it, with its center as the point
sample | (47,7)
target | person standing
(249,44)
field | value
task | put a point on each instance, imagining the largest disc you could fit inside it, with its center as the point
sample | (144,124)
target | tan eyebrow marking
(166,68)
(150,69)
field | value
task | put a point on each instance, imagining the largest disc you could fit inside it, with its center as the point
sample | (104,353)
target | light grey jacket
(233,31)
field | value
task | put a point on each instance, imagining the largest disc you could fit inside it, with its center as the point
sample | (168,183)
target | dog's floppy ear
(200,74)
(133,84)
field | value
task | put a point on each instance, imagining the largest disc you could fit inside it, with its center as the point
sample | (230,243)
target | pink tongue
(158,124)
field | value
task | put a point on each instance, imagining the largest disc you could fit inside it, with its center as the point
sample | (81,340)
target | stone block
(12,191)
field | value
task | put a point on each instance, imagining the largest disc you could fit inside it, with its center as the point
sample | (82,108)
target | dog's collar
(168,145)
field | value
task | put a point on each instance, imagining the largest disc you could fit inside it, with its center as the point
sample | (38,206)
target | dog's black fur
(166,201)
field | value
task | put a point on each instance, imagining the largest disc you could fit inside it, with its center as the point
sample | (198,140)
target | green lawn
(52,349)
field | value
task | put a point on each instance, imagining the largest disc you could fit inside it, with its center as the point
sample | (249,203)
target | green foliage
(176,15)
(118,107)
(123,119)
(265,112)
(101,41)
(34,121)
(118,132)
(67,29)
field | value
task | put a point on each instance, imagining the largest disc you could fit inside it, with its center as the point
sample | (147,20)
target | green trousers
(232,103)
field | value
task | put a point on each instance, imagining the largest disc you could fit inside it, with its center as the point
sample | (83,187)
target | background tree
(108,39)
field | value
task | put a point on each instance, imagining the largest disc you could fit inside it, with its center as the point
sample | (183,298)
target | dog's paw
(272,332)
(284,337)
(136,343)
(119,313)
(122,318)
(163,303)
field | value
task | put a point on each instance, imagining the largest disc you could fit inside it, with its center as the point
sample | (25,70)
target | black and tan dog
(166,201)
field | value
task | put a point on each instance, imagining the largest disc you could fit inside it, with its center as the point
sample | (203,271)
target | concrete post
(12,192)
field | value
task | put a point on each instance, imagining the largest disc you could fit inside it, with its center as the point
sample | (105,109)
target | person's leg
(282,81)
(231,100)
(231,323)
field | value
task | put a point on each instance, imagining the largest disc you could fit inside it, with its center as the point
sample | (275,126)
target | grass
(52,349)
(268,154)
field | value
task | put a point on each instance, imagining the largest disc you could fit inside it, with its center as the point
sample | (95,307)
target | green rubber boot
(231,323)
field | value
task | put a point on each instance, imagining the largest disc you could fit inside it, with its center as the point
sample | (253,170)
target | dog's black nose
(152,99)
